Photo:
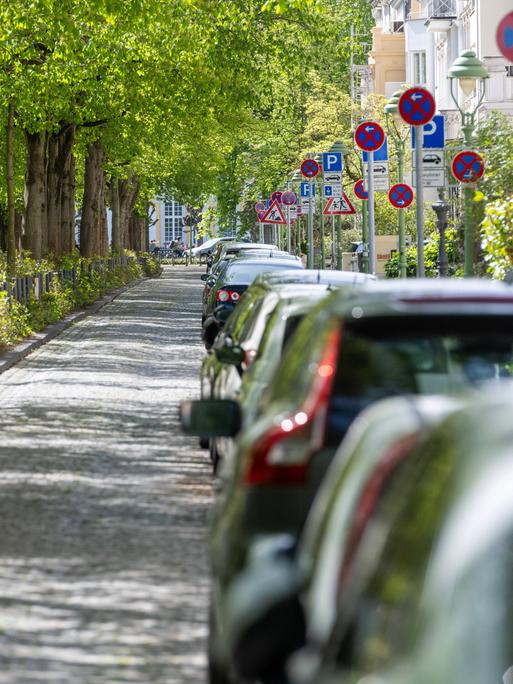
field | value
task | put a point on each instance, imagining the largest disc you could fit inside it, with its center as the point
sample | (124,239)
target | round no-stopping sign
(259,206)
(400,195)
(289,198)
(360,191)
(417,106)
(369,136)
(468,166)
(505,36)
(310,168)
(276,196)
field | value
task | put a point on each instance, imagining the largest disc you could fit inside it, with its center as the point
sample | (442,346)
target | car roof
(255,261)
(250,245)
(313,276)
(424,296)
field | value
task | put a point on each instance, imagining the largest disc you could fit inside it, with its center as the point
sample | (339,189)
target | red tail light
(281,456)
(227,296)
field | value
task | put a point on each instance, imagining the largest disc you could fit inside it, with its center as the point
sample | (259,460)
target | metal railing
(25,288)
(441,8)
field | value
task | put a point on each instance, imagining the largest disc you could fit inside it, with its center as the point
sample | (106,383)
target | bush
(430,258)
(497,237)
(18,321)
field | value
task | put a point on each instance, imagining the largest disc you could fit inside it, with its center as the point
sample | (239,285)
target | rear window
(429,355)
(244,274)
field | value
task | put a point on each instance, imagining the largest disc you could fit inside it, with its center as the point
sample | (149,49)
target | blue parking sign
(434,134)
(305,189)
(332,161)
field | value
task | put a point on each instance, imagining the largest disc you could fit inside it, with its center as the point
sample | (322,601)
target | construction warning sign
(339,205)
(274,214)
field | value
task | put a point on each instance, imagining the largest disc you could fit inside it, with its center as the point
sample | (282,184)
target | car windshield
(428,355)
(244,274)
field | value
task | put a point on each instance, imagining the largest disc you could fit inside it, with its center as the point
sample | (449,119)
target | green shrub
(497,237)
(430,257)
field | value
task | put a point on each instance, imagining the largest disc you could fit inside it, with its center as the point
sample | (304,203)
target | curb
(23,349)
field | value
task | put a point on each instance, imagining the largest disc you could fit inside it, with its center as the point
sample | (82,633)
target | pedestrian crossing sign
(339,205)
(274,215)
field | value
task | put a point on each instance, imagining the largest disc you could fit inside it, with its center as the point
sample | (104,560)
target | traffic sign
(338,205)
(274,215)
(369,136)
(304,189)
(468,166)
(360,191)
(379,174)
(289,198)
(379,155)
(259,206)
(310,168)
(327,191)
(276,197)
(505,36)
(417,106)
(331,161)
(260,215)
(293,212)
(433,168)
(400,195)
(433,134)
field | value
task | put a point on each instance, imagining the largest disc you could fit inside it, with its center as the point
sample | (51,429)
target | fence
(24,288)
(173,257)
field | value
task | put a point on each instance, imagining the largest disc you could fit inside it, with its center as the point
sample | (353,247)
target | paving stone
(103,502)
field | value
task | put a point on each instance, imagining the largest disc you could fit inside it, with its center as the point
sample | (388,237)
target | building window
(419,67)
(173,224)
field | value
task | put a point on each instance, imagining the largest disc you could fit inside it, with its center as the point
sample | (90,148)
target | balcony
(440,15)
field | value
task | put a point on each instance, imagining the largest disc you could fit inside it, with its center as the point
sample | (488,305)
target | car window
(381,580)
(244,274)
(428,355)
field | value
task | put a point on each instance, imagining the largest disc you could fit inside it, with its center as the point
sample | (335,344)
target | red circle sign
(468,166)
(289,198)
(310,168)
(505,36)
(360,191)
(259,206)
(417,106)
(400,195)
(369,136)
(276,196)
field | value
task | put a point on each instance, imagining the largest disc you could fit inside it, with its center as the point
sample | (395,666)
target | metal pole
(323,255)
(441,209)
(468,194)
(289,236)
(309,262)
(402,236)
(339,243)
(365,237)
(332,242)
(419,192)
(260,231)
(370,186)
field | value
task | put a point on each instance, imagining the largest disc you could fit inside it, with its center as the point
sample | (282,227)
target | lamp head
(392,106)
(468,70)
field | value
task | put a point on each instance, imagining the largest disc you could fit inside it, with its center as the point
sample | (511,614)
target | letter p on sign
(332,161)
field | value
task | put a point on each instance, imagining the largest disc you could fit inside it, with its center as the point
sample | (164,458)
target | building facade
(168,224)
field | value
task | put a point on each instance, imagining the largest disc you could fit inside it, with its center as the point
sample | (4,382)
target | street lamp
(338,146)
(470,72)
(399,134)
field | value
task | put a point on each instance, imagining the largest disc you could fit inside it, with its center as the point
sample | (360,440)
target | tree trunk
(60,190)
(128,193)
(90,224)
(117,245)
(68,205)
(104,231)
(10,242)
(35,194)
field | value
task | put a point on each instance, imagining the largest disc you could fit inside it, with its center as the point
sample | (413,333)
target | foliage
(430,257)
(497,236)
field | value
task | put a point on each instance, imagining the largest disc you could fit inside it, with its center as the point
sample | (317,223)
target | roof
(426,296)
(325,277)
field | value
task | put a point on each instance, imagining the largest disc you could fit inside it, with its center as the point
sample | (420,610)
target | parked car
(354,348)
(230,284)
(209,245)
(234,248)
(426,591)
(304,587)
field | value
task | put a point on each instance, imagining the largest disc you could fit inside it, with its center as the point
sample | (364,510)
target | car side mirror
(211,417)
(204,276)
(232,354)
(210,280)
(265,621)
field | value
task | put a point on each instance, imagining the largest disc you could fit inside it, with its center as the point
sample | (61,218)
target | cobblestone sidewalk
(103,503)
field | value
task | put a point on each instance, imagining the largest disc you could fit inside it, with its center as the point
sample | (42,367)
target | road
(103,504)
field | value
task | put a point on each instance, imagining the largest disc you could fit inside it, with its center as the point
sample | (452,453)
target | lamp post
(399,134)
(441,209)
(469,71)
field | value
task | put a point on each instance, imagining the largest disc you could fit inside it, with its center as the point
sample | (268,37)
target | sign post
(289,199)
(363,195)
(417,107)
(369,136)
(309,169)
